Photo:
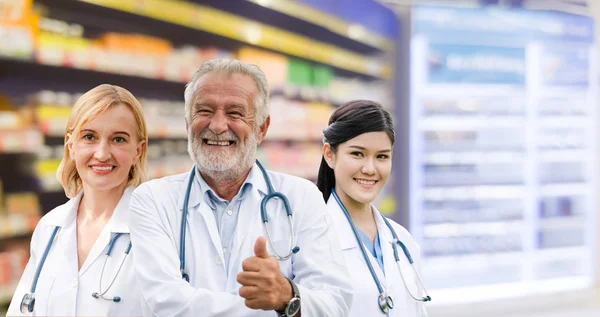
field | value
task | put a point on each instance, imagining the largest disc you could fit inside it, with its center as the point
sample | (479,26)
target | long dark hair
(347,122)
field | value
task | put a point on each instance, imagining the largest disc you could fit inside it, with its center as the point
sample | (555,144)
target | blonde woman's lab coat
(62,289)
(365,301)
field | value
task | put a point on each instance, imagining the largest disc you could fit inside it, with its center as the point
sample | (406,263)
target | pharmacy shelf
(444,123)
(79,80)
(17,225)
(472,157)
(563,223)
(191,16)
(442,193)
(334,24)
(441,230)
(139,85)
(20,140)
(563,155)
(565,189)
(508,258)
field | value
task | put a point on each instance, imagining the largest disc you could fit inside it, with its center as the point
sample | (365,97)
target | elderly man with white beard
(229,238)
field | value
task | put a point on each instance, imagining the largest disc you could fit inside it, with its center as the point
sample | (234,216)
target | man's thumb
(260,248)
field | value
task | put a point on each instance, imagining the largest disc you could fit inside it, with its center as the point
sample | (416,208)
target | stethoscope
(385,301)
(263,213)
(28,301)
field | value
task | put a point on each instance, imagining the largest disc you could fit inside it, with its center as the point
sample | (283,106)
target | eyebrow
(363,148)
(118,132)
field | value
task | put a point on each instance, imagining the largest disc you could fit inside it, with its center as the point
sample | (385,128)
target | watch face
(293,307)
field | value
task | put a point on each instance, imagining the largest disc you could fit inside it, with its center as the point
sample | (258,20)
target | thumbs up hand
(263,285)
(260,248)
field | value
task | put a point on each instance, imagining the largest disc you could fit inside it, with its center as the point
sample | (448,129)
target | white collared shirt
(365,297)
(156,211)
(62,289)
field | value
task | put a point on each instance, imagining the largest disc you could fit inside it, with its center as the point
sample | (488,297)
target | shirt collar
(254,180)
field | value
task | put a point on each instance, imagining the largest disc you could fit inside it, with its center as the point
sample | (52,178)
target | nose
(218,123)
(368,167)
(102,152)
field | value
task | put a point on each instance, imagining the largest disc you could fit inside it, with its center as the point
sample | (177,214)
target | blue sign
(502,25)
(475,64)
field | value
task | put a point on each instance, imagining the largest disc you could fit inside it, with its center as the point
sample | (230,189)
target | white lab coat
(365,301)
(318,268)
(62,289)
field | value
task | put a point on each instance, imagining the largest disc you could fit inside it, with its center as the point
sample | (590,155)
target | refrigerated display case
(502,151)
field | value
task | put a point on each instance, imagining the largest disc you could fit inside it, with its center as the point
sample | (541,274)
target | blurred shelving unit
(315,55)
(504,149)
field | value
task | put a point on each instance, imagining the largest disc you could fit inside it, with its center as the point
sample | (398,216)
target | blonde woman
(80,263)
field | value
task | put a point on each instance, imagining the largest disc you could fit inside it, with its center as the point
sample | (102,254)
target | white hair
(231,66)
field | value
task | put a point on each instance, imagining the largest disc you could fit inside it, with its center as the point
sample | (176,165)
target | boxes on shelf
(18,26)
(23,203)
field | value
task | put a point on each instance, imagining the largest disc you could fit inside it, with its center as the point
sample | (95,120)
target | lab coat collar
(119,220)
(385,235)
(66,215)
(347,238)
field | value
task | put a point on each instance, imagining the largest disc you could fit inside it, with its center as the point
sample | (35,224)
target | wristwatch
(293,306)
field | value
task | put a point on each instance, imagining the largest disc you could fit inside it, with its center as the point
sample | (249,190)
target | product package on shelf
(18,28)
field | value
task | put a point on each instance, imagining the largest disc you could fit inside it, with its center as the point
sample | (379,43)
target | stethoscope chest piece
(27,303)
(385,303)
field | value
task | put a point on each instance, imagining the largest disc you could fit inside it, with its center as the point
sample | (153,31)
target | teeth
(219,143)
(102,168)
(365,182)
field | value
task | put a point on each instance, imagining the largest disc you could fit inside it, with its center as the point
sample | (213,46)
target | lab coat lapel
(99,249)
(346,235)
(117,223)
(66,238)
(196,204)
(385,241)
(247,227)
(249,222)
(211,225)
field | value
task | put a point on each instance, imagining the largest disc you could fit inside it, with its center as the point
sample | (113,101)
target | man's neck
(225,188)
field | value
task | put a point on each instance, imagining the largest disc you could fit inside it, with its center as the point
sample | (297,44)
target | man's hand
(263,285)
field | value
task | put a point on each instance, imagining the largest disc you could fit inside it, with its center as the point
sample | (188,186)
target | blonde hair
(88,107)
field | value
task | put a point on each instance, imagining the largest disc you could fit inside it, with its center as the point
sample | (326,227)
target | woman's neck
(98,206)
(361,214)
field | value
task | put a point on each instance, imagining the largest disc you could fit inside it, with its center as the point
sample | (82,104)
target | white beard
(226,164)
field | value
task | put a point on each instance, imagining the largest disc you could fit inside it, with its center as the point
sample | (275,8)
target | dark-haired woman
(379,253)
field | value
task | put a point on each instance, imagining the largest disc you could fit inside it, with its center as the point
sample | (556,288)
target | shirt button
(229,212)
(74,283)
(218,260)
(224,250)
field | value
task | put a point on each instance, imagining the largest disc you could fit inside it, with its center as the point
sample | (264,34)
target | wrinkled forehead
(223,88)
(225,81)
